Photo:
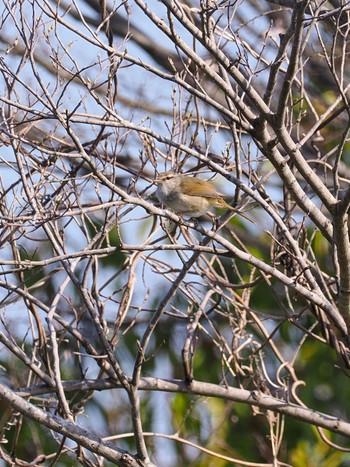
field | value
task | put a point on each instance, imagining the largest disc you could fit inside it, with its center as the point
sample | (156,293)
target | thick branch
(69,429)
(253,398)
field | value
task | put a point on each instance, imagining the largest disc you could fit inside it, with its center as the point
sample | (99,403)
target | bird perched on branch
(190,196)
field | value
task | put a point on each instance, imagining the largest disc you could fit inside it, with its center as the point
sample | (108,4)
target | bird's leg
(194,220)
(214,220)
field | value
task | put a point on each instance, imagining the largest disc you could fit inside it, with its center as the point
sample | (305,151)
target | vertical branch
(296,27)
(342,245)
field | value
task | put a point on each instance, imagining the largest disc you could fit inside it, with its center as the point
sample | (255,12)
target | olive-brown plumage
(189,196)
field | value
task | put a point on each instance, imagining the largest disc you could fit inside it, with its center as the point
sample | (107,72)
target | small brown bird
(189,196)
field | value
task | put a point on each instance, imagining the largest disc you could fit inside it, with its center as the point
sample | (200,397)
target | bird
(189,196)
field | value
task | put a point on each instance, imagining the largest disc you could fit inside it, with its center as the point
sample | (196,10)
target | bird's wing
(200,188)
